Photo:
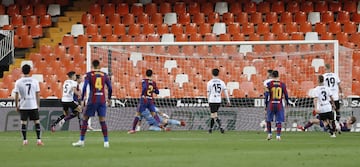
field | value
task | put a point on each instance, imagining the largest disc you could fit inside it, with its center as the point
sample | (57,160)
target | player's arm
(226,94)
(286,94)
(86,82)
(266,95)
(144,89)
(156,89)
(340,90)
(109,87)
(316,105)
(37,94)
(17,101)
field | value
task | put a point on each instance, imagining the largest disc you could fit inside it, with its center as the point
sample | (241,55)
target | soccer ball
(263,124)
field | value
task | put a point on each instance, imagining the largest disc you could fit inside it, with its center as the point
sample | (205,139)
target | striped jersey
(96,81)
(27,87)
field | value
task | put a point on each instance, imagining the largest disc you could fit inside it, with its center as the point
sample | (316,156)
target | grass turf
(183,149)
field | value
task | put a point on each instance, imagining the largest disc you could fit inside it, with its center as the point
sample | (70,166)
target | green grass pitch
(183,149)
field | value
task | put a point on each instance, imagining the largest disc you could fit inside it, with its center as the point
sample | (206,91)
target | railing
(6,44)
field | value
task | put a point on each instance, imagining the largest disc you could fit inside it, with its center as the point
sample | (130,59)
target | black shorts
(214,107)
(29,114)
(337,105)
(67,105)
(327,115)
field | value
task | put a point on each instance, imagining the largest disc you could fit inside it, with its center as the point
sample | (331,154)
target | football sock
(173,122)
(83,130)
(212,122)
(71,116)
(308,125)
(37,127)
(157,118)
(104,130)
(23,131)
(136,120)
(218,121)
(278,129)
(268,127)
(338,116)
(58,120)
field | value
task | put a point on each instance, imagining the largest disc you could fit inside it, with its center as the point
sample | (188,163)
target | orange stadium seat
(282,36)
(213,18)
(250,7)
(13,10)
(343,17)
(180,7)
(307,6)
(263,28)
(27,10)
(196,37)
(111,38)
(95,9)
(45,20)
(210,37)
(119,29)
(8,27)
(128,19)
(106,29)
(271,17)
(334,27)
(326,36)
(204,28)
(350,6)
(335,6)
(148,29)
(162,29)
(277,28)
(286,17)
(225,37)
(177,29)
(137,9)
(291,27)
(2,9)
(321,6)
(238,37)
(87,19)
(342,37)
(305,27)
(153,37)
(278,7)
(156,18)
(100,19)
(60,50)
(151,8)
(191,28)
(269,37)
(126,38)
(122,9)
(263,7)
(74,50)
(228,18)
(82,40)
(109,9)
(31,20)
(355,38)
(92,29)
(22,30)
(194,8)
(68,40)
(97,38)
(350,27)
(355,17)
(242,18)
(134,29)
(26,41)
(140,38)
(114,19)
(198,18)
(17,20)
(184,18)
(207,8)
(235,7)
(297,36)
(182,38)
(327,17)
(248,28)
(300,17)
(320,28)
(233,28)
(165,7)
(293,7)
(256,18)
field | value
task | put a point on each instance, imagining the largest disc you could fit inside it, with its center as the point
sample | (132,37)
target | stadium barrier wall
(194,112)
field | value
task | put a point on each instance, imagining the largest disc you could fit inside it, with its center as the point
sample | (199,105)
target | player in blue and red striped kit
(147,101)
(276,90)
(97,100)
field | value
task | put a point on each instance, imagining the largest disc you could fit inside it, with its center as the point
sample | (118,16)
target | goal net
(182,70)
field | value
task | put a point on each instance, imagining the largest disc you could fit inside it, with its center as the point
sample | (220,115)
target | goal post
(182,69)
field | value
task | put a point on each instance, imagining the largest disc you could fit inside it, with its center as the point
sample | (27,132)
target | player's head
(351,120)
(78,78)
(275,74)
(269,73)
(96,64)
(215,72)
(26,69)
(321,79)
(149,73)
(328,67)
(71,75)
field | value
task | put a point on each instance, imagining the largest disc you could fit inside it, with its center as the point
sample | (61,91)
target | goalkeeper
(341,127)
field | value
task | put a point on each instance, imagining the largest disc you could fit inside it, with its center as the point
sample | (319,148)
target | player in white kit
(27,102)
(214,89)
(332,81)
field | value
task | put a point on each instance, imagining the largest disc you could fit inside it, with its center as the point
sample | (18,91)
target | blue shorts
(278,113)
(146,105)
(95,107)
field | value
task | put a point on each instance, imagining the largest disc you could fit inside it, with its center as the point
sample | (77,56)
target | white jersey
(68,90)
(323,93)
(332,81)
(214,88)
(267,81)
(27,87)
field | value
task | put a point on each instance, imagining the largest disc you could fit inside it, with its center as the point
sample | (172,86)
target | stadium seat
(177,29)
(350,6)
(13,10)
(31,20)
(134,29)
(242,18)
(60,50)
(278,7)
(277,28)
(204,28)
(305,27)
(128,19)
(286,17)
(95,9)
(263,28)
(181,79)
(164,93)
(8,27)
(114,19)
(247,87)
(196,37)
(77,29)
(194,8)
(106,29)
(191,28)
(342,37)
(271,17)
(100,19)
(355,38)
(283,36)
(111,38)
(231,86)
(4,20)
(210,37)
(238,37)
(300,17)
(119,29)
(75,50)
(334,27)
(153,37)
(250,7)
(221,7)
(314,17)
(198,18)
(156,19)
(165,7)
(137,9)
(244,49)
(343,17)
(122,9)
(293,7)
(36,31)
(228,18)
(162,29)
(170,18)
(167,38)
(248,28)
(82,40)
(256,37)
(135,57)
(320,28)
(148,29)
(213,18)
(27,10)
(335,6)
(92,29)
(87,19)
(54,10)
(233,28)
(307,7)
(311,36)
(170,64)
(291,27)
(269,37)
(109,9)
(126,38)
(181,38)
(17,20)
(68,40)
(317,63)
(184,18)
(207,8)
(350,27)
(235,7)
(26,41)
(45,20)
(326,36)
(22,30)
(180,8)
(327,17)
(97,38)
(263,7)
(321,6)
(256,18)
(219,28)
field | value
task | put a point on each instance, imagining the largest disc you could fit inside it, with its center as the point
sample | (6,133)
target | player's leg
(24,115)
(279,119)
(135,122)
(65,112)
(102,114)
(152,109)
(337,109)
(89,112)
(310,123)
(34,116)
(269,119)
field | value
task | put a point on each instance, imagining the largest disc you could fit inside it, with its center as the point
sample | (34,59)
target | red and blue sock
(84,127)
(104,130)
